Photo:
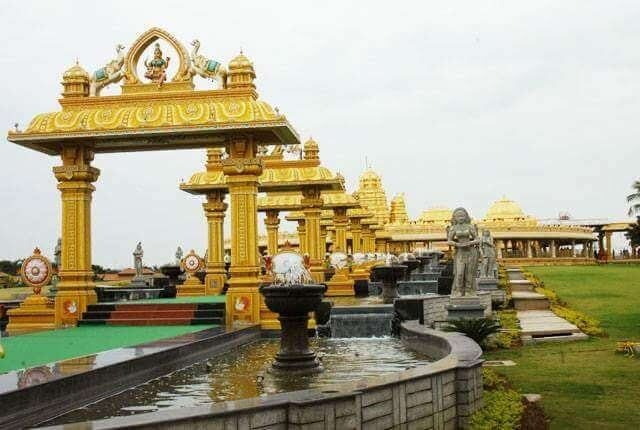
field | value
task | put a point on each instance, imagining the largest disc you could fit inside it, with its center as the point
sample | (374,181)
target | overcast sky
(454,104)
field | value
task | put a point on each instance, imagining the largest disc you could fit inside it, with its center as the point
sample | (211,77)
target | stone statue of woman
(57,253)
(137,259)
(488,267)
(463,236)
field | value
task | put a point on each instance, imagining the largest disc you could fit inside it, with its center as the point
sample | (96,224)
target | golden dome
(311,144)
(436,215)
(311,150)
(240,62)
(241,73)
(75,72)
(505,210)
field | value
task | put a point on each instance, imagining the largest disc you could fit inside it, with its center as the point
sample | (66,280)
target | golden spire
(372,196)
(398,212)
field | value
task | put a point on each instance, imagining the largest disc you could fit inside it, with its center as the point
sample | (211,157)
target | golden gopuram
(159,111)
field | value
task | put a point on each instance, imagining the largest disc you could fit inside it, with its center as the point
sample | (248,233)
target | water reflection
(242,374)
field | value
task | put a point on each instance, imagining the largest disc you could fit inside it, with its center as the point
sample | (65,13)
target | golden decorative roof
(274,179)
(291,200)
(440,215)
(398,212)
(507,211)
(156,116)
(75,72)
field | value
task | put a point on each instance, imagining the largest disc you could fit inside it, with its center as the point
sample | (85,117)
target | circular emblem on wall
(36,271)
(192,262)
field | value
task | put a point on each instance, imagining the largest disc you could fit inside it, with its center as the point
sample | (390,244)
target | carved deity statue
(488,262)
(137,259)
(179,255)
(57,253)
(157,68)
(463,236)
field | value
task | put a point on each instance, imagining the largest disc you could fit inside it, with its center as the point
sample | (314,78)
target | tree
(634,199)
(10,267)
(633,234)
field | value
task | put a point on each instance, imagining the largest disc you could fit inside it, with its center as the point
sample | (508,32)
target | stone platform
(539,326)
(537,321)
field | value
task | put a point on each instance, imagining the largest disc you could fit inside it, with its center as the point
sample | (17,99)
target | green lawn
(48,346)
(586,385)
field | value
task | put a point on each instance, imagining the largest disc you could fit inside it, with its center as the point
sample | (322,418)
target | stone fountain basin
(294,299)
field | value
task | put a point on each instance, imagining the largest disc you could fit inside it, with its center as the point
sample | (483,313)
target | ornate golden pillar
(243,170)
(356,235)
(323,239)
(302,236)
(340,222)
(607,236)
(312,209)
(272,222)
(574,250)
(529,250)
(214,210)
(553,249)
(366,238)
(76,286)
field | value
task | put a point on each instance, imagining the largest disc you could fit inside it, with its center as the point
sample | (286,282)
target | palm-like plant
(478,329)
(634,199)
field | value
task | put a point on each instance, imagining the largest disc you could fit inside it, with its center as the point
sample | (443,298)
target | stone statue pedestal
(465,307)
(138,282)
(487,284)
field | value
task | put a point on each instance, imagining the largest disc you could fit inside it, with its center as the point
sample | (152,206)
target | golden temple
(250,148)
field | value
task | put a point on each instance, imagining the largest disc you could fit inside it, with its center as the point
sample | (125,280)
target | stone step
(153,306)
(538,324)
(162,314)
(150,322)
(521,287)
(523,301)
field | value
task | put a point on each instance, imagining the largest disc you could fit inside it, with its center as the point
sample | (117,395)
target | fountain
(292,297)
(389,273)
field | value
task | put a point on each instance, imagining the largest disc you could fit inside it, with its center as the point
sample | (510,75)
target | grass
(45,347)
(586,385)
(8,293)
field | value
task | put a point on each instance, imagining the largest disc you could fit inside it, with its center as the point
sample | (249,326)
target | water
(241,374)
(361,325)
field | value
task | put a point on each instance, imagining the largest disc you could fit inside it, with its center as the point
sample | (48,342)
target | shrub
(509,336)
(585,323)
(502,411)
(478,329)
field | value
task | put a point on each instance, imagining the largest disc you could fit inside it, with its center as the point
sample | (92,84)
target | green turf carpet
(40,348)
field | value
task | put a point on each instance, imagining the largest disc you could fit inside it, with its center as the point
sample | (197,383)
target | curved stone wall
(440,395)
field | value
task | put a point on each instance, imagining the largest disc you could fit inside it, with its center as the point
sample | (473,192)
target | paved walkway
(537,321)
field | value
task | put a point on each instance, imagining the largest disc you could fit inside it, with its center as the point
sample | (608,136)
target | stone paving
(537,321)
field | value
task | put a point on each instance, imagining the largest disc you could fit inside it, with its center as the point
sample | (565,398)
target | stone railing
(439,395)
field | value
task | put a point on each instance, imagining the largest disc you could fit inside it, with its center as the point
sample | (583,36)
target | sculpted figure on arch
(463,236)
